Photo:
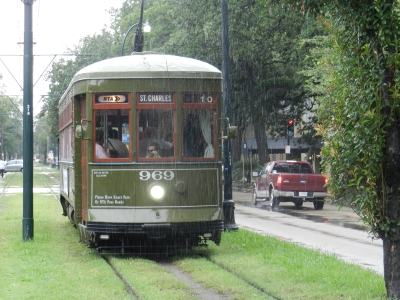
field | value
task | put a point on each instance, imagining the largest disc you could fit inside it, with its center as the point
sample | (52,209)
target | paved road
(329,230)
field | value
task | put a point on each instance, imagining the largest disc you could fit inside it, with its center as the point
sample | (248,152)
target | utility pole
(290,133)
(27,221)
(228,203)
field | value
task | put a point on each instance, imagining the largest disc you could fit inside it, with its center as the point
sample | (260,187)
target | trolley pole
(27,221)
(228,203)
(139,38)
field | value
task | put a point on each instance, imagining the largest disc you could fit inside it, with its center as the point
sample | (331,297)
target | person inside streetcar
(153,151)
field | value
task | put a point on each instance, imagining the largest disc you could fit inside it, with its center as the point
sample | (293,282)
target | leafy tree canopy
(11,126)
(360,116)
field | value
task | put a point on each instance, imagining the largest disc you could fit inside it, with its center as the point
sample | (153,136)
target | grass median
(288,271)
(55,266)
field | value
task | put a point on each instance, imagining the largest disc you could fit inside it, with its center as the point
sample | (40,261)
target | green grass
(11,180)
(288,271)
(55,266)
(280,269)
(222,281)
(152,281)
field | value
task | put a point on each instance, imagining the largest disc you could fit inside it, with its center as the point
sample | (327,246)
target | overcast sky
(56,25)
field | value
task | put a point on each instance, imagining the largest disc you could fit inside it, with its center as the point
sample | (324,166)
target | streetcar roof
(148,65)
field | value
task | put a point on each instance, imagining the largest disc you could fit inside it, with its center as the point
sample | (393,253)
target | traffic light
(290,127)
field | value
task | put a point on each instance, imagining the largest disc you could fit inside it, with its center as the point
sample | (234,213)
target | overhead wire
(11,74)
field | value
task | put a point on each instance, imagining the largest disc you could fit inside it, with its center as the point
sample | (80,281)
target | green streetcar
(140,152)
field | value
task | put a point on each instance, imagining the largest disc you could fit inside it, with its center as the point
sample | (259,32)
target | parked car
(14,165)
(290,181)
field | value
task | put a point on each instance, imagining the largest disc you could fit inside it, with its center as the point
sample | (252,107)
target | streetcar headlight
(157,192)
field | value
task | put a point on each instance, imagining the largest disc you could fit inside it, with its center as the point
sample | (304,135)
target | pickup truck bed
(289,181)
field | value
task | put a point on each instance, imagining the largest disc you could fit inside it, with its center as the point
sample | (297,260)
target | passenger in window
(169,137)
(169,140)
(193,141)
(153,151)
(149,138)
(115,147)
(164,144)
(100,151)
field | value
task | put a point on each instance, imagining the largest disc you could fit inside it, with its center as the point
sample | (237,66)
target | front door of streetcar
(84,163)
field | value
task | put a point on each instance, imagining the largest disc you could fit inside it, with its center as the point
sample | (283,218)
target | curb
(243,190)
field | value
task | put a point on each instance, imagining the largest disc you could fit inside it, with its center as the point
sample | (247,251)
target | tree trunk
(391,243)
(237,147)
(391,264)
(262,145)
(391,205)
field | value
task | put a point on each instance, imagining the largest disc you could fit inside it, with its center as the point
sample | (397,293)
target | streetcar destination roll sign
(155,98)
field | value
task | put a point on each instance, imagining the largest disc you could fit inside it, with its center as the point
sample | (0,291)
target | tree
(89,50)
(41,134)
(11,126)
(360,117)
(265,58)
(243,169)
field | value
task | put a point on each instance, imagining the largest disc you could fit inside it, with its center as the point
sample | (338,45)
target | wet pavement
(333,231)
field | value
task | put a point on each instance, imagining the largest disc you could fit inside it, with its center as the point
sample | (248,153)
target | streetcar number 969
(156,175)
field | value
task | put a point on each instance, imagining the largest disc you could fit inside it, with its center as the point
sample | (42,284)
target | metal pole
(139,38)
(126,35)
(27,221)
(251,161)
(228,203)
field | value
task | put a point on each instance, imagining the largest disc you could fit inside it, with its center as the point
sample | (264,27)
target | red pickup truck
(290,181)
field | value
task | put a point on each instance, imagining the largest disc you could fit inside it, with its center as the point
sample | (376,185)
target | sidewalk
(35,190)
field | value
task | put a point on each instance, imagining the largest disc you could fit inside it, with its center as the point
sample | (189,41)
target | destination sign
(156,98)
(198,98)
(112,98)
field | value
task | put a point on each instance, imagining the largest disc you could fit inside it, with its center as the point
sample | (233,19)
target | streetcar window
(155,127)
(198,135)
(112,137)
(66,138)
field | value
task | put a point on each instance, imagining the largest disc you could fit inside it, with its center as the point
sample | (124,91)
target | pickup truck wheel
(254,197)
(273,201)
(319,204)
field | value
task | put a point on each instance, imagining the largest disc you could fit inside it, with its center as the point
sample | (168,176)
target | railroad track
(5,188)
(9,178)
(196,288)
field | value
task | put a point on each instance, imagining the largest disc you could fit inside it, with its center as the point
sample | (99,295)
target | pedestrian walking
(2,167)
